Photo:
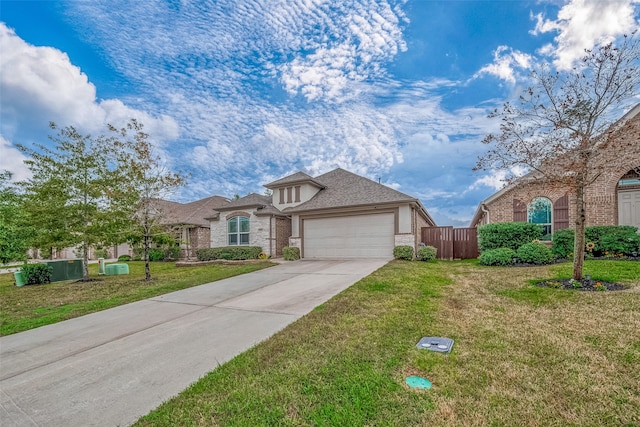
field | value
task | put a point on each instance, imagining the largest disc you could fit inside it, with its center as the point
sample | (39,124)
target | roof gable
(343,189)
(296,178)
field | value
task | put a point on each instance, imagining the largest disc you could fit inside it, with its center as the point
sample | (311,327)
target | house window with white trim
(238,231)
(539,212)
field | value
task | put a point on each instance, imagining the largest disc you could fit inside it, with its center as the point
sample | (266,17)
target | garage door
(629,208)
(359,236)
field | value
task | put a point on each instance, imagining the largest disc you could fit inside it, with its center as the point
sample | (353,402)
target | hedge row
(510,235)
(229,253)
(600,240)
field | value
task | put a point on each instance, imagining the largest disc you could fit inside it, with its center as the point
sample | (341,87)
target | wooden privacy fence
(452,243)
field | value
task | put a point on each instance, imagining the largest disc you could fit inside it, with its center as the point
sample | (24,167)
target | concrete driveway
(111,367)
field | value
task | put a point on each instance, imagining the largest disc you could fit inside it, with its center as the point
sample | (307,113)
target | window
(238,231)
(289,190)
(282,196)
(297,193)
(539,212)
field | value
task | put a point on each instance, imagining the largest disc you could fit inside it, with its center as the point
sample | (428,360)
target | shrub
(403,252)
(427,253)
(614,239)
(291,253)
(229,253)
(124,258)
(35,274)
(500,256)
(562,245)
(156,254)
(534,253)
(510,235)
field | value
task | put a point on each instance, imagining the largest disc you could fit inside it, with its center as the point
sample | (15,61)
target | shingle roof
(192,213)
(252,200)
(295,178)
(343,189)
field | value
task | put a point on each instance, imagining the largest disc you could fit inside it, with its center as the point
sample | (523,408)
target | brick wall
(601,197)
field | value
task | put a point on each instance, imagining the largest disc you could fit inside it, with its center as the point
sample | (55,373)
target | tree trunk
(578,246)
(147,267)
(85,262)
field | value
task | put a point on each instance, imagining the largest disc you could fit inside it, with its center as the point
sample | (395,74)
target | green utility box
(115,269)
(65,269)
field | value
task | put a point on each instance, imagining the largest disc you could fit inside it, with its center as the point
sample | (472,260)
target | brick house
(612,199)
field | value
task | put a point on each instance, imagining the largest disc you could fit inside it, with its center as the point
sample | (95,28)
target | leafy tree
(67,198)
(557,129)
(144,180)
(14,235)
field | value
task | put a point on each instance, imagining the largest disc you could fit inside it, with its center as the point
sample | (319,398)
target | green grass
(522,356)
(27,307)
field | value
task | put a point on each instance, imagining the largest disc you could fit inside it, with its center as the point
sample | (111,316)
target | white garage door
(629,208)
(359,236)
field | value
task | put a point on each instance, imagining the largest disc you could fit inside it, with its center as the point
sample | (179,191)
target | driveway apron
(110,368)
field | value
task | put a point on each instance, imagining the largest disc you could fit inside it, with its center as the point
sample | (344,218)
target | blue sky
(241,93)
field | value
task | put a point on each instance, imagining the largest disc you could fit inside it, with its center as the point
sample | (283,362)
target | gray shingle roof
(192,213)
(343,189)
(252,200)
(295,178)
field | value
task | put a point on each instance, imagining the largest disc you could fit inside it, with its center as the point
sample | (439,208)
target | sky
(238,94)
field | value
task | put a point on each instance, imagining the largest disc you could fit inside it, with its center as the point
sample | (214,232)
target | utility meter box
(65,269)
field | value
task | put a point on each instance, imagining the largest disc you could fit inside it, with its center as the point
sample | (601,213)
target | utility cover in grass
(418,382)
(439,344)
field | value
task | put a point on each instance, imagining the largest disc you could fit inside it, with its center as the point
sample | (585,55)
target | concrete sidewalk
(111,367)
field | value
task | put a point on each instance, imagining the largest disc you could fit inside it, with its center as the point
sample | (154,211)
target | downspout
(271,254)
(484,209)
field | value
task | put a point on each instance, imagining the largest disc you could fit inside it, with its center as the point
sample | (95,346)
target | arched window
(238,231)
(539,212)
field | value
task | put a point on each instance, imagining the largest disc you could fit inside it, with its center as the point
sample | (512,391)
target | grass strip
(27,307)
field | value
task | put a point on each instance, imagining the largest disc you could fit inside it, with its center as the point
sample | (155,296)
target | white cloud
(497,179)
(583,24)
(506,63)
(39,84)
(13,160)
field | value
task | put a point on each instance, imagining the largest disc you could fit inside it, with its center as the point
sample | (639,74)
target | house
(335,215)
(188,222)
(612,199)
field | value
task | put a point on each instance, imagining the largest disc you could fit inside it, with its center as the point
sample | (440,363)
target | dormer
(293,190)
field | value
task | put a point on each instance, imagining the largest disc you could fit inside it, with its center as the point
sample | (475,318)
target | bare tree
(558,126)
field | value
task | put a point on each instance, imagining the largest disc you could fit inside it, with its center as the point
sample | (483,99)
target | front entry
(629,207)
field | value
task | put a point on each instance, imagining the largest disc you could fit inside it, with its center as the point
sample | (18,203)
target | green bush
(124,258)
(229,253)
(35,274)
(156,254)
(510,235)
(427,253)
(500,256)
(607,240)
(403,252)
(291,253)
(535,253)
(562,246)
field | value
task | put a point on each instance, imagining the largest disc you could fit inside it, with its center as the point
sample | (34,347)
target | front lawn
(523,355)
(28,307)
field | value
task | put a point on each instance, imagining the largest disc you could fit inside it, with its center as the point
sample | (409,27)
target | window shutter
(561,213)
(519,211)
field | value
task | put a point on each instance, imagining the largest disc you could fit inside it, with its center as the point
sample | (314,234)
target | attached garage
(355,236)
(629,207)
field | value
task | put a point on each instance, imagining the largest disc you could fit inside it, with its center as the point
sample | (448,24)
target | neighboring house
(188,221)
(612,199)
(335,215)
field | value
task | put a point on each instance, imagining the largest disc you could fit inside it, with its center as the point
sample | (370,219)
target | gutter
(484,209)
